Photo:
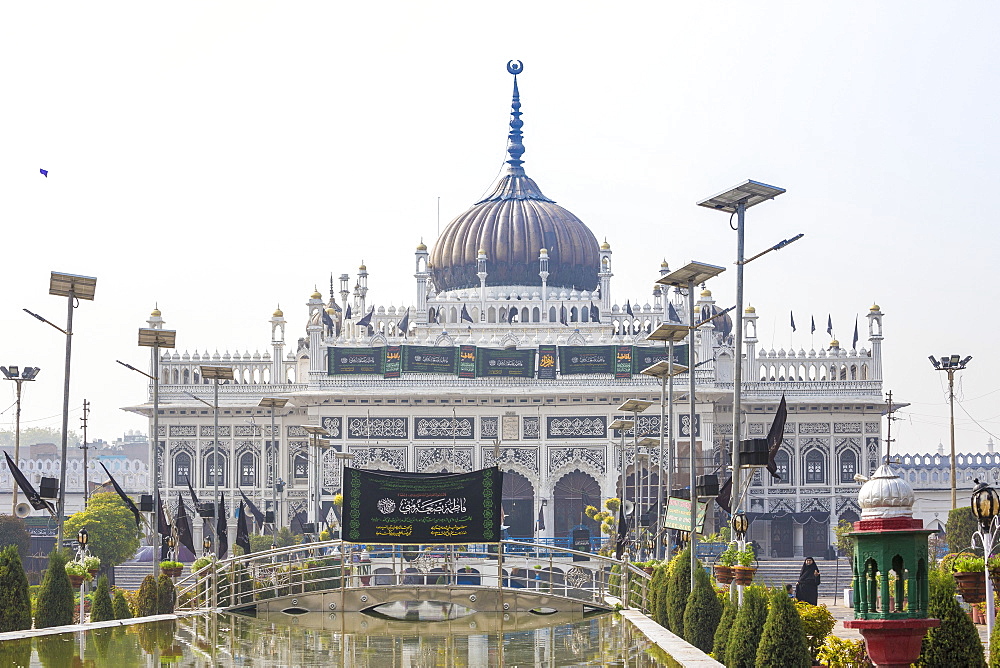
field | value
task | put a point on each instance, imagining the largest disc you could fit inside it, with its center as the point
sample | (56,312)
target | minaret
(750,340)
(362,287)
(481,264)
(344,292)
(543,273)
(277,345)
(315,332)
(604,276)
(875,337)
(422,274)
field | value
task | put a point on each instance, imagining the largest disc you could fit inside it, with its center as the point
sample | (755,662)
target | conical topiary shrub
(956,642)
(54,605)
(101,609)
(723,630)
(146,603)
(15,604)
(783,642)
(678,589)
(702,613)
(741,650)
(166,596)
(995,647)
(120,606)
(658,594)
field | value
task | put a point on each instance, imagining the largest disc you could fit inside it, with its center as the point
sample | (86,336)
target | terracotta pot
(723,574)
(75,581)
(648,570)
(743,575)
(972,586)
(172,572)
(93,572)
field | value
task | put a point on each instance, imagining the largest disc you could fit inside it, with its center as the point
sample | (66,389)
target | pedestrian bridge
(333,576)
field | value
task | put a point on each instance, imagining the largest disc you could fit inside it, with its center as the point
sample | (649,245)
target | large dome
(511,225)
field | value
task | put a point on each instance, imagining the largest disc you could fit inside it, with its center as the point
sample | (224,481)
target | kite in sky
(44,172)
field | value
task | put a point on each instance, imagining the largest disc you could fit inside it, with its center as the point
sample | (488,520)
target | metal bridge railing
(250,579)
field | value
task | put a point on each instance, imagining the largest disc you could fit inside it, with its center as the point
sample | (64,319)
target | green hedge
(783,642)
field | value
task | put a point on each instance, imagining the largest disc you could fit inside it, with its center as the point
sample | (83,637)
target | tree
(959,529)
(34,435)
(722,632)
(54,605)
(166,595)
(702,613)
(120,606)
(956,642)
(783,642)
(147,599)
(14,532)
(102,609)
(678,589)
(844,542)
(658,594)
(110,527)
(741,650)
(15,604)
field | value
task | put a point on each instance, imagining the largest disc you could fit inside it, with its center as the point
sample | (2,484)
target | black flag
(242,535)
(347,316)
(775,436)
(123,495)
(562,315)
(812,319)
(254,510)
(404,324)
(465,314)
(829,325)
(595,314)
(36,501)
(855,344)
(672,313)
(222,529)
(725,496)
(367,320)
(541,518)
(327,320)
(183,525)
(194,497)
(628,309)
(792,316)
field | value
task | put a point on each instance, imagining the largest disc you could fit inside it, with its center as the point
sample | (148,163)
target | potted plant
(92,564)
(171,568)
(723,568)
(744,570)
(77,572)
(970,575)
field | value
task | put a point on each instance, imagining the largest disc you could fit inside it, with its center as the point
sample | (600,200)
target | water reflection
(315,639)
(422,611)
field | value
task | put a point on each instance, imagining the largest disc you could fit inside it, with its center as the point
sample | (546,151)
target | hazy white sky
(220,158)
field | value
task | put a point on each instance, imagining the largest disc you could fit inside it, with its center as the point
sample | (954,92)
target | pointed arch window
(182,469)
(782,461)
(300,466)
(815,468)
(248,470)
(215,466)
(848,465)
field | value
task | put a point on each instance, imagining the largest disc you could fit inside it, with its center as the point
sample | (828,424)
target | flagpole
(156,457)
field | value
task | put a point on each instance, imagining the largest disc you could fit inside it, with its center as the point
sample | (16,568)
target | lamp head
(985,503)
(937,365)
(740,524)
(82,537)
(207,543)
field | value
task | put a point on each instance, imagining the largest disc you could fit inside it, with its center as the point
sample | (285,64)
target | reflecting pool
(332,639)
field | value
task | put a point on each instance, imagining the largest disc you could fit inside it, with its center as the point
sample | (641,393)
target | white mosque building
(514,352)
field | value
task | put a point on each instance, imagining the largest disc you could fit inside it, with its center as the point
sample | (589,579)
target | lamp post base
(893,643)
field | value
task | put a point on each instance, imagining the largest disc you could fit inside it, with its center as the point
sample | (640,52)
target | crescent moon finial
(515,67)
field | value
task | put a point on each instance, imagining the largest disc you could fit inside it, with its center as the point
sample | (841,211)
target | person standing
(807,588)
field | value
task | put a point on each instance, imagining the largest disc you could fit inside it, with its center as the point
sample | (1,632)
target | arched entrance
(574,492)
(519,504)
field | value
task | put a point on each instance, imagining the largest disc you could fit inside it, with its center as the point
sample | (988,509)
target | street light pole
(951,364)
(18,376)
(216,374)
(74,288)
(272,403)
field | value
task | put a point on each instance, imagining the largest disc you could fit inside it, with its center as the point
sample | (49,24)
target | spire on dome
(515,148)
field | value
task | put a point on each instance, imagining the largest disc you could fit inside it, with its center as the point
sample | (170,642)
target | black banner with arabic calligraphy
(430,359)
(493,362)
(389,507)
(586,359)
(393,365)
(355,360)
(547,362)
(645,356)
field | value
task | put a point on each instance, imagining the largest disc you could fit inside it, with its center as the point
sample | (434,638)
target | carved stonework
(392,458)
(756,428)
(377,427)
(685,425)
(444,428)
(790,427)
(247,430)
(814,427)
(333,426)
(821,443)
(649,425)
(489,427)
(725,428)
(530,425)
(846,427)
(816,503)
(591,459)
(435,459)
(510,428)
(577,427)
(296,431)
(182,430)
(847,503)
(781,506)
(873,450)
(872,427)
(518,458)
(331,469)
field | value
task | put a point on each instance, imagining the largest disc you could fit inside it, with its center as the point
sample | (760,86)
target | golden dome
(421,246)
(330,310)
(750,309)
(664,265)
(316,295)
(362,267)
(155,313)
(835,343)
(277,313)
(874,308)
(605,245)
(543,251)
(706,293)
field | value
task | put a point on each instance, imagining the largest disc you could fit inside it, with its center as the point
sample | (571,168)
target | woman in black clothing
(807,588)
